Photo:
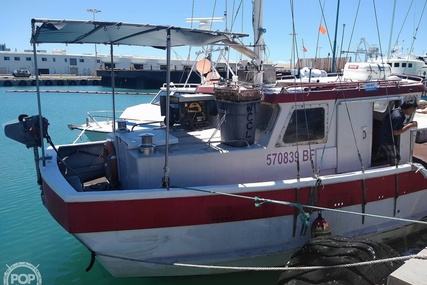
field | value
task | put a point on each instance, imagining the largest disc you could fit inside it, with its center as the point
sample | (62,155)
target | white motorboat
(145,115)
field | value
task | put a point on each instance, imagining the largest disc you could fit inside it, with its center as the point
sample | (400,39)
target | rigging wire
(213,16)
(404,21)
(354,26)
(416,30)
(324,21)
(233,20)
(378,29)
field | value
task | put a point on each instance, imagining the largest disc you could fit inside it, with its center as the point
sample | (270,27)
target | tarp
(119,33)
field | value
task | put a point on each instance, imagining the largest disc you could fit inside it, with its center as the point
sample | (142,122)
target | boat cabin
(283,136)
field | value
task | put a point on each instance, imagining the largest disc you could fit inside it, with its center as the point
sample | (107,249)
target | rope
(306,268)
(285,268)
(259,201)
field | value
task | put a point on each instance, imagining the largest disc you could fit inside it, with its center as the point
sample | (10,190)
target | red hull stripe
(81,217)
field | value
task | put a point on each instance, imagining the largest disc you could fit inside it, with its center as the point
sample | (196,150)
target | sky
(356,20)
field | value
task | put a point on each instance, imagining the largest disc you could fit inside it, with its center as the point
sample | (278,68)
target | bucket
(239,125)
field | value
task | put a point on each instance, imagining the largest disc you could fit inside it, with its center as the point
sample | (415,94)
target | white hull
(264,242)
(270,241)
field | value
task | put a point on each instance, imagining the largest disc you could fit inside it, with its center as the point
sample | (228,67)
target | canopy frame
(100,32)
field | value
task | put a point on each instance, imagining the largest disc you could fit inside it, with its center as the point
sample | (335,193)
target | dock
(420,153)
(413,272)
(79,91)
(49,80)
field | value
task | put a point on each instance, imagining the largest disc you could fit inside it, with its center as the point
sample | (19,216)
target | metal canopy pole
(113,86)
(165,180)
(39,106)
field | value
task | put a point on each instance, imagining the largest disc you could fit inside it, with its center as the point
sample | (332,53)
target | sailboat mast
(391,30)
(259,45)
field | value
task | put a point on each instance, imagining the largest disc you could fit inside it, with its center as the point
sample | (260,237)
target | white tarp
(119,33)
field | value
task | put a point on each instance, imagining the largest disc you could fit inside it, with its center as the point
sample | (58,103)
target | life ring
(110,162)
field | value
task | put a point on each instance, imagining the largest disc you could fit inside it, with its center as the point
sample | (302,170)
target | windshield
(156,99)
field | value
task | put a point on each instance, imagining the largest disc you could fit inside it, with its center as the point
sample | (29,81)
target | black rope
(92,261)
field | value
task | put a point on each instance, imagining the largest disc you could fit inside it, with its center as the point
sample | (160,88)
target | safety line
(283,268)
(306,268)
(259,201)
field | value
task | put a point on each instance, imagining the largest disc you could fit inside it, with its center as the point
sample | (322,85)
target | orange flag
(304,49)
(322,29)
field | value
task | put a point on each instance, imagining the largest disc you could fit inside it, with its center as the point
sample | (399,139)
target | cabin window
(73,61)
(403,64)
(44,58)
(267,116)
(17,58)
(305,125)
(28,58)
(6,58)
(81,60)
(396,64)
(410,65)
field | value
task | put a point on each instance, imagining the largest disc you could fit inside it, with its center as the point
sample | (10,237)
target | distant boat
(410,65)
(21,73)
(146,115)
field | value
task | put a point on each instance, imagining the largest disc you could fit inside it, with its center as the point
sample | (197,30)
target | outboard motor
(27,130)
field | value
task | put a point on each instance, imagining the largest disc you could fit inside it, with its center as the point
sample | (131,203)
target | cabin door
(354,135)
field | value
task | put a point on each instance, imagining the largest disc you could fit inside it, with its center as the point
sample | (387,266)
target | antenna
(205,23)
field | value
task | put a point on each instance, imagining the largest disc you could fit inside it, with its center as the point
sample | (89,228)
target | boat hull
(150,232)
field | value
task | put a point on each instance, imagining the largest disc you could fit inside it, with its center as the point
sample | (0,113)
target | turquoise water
(27,231)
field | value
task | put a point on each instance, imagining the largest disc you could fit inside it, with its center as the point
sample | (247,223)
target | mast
(259,45)
(335,38)
(391,30)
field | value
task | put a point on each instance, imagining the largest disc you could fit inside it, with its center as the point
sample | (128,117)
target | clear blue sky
(15,28)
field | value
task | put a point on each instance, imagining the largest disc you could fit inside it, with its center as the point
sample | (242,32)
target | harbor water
(27,231)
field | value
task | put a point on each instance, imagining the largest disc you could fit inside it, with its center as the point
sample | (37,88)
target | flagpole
(304,50)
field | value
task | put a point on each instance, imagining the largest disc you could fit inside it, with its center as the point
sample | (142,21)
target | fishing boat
(236,183)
